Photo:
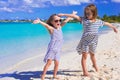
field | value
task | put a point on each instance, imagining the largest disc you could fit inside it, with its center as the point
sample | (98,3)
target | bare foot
(42,77)
(86,75)
(96,68)
(55,77)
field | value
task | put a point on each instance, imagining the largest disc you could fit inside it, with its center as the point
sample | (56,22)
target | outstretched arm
(50,28)
(111,26)
(65,21)
(68,19)
(71,15)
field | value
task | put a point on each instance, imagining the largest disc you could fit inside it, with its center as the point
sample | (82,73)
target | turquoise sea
(16,38)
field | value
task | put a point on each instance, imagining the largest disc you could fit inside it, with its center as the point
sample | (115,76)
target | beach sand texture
(107,55)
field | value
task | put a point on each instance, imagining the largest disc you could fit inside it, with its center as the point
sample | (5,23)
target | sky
(31,9)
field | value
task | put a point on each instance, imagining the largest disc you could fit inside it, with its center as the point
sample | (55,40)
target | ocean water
(17,38)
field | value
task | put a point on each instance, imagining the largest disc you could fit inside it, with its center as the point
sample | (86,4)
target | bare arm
(50,28)
(71,15)
(67,19)
(111,26)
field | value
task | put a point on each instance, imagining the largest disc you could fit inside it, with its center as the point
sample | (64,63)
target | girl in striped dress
(54,26)
(89,39)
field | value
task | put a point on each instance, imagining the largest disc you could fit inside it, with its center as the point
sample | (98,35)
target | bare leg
(83,62)
(56,63)
(93,59)
(46,68)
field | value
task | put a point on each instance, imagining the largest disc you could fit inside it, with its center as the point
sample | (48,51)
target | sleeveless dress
(55,45)
(89,39)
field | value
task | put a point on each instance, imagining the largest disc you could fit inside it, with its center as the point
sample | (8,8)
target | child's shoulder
(99,20)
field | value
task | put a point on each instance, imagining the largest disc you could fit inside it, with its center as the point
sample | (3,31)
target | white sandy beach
(107,55)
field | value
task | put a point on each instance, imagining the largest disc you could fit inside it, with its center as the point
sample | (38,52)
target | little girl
(89,39)
(53,25)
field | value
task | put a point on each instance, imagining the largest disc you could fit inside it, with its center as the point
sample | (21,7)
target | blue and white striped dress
(89,39)
(55,45)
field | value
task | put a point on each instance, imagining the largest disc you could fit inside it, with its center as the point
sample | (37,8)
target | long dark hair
(51,18)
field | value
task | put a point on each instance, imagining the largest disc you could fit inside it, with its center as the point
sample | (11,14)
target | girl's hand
(115,30)
(74,12)
(36,21)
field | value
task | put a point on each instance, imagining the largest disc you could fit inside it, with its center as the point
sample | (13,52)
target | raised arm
(71,15)
(111,26)
(68,19)
(50,28)
(65,21)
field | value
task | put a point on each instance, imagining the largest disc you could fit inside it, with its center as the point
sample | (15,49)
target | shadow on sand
(36,74)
